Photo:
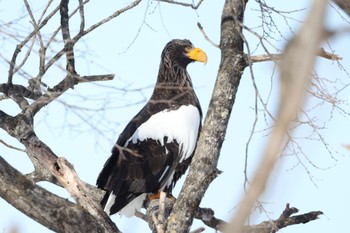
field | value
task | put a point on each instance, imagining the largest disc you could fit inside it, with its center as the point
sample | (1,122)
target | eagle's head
(182,52)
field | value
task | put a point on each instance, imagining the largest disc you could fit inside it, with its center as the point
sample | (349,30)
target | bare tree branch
(82,16)
(207,216)
(193,6)
(90,29)
(344,5)
(18,90)
(286,219)
(201,29)
(66,175)
(68,44)
(54,212)
(23,43)
(46,164)
(273,57)
(60,88)
(11,147)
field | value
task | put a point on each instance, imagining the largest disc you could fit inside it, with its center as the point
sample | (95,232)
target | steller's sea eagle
(156,147)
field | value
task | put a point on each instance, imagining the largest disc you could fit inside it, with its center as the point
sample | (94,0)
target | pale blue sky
(136,66)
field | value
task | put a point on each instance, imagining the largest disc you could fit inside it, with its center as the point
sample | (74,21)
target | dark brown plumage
(156,147)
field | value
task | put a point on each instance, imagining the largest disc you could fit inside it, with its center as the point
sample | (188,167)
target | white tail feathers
(130,209)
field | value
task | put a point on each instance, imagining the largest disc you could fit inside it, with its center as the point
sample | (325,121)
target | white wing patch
(181,125)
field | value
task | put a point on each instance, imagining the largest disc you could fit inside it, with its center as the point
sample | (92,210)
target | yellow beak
(197,54)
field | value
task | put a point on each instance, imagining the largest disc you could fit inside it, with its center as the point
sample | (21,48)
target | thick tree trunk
(203,167)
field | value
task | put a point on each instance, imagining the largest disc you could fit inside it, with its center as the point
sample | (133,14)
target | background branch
(286,219)
(344,5)
(68,43)
(192,5)
(295,73)
(273,57)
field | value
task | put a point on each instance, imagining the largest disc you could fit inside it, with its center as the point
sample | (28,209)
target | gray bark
(50,210)
(203,167)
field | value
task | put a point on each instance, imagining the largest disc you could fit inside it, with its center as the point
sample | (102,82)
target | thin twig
(198,230)
(141,215)
(42,49)
(327,55)
(26,56)
(274,57)
(82,16)
(44,11)
(192,5)
(107,19)
(12,70)
(265,57)
(206,36)
(90,29)
(35,25)
(12,147)
(60,88)
(68,44)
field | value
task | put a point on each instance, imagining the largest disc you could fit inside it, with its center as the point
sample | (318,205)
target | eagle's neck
(174,86)
(173,75)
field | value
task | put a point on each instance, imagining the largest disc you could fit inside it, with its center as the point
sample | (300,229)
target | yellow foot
(154,196)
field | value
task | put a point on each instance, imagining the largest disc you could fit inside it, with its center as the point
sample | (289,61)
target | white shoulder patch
(181,125)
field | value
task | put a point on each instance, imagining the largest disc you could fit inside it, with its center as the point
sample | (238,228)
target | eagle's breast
(180,125)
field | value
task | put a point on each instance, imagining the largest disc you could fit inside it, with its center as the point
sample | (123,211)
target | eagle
(156,147)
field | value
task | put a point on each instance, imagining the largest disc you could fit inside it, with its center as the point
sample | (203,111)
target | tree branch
(18,90)
(81,34)
(60,88)
(286,219)
(273,57)
(50,210)
(207,216)
(192,5)
(344,5)
(201,29)
(82,16)
(12,147)
(68,43)
(67,176)
(46,164)
(19,47)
